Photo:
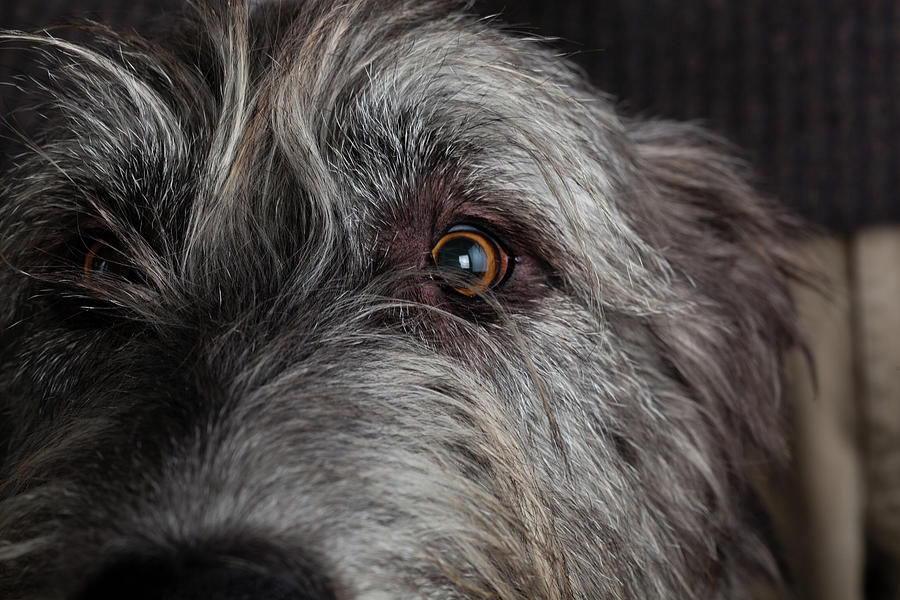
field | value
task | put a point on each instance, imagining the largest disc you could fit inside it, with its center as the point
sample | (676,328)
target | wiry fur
(276,374)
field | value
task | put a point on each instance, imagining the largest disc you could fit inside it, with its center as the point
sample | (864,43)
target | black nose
(154,579)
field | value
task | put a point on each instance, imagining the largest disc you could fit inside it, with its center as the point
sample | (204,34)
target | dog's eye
(102,259)
(472,253)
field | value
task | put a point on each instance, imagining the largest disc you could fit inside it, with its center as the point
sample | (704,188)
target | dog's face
(370,300)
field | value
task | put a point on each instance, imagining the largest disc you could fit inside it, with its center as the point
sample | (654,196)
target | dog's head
(373,300)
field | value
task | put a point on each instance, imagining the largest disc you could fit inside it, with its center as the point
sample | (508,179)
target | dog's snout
(214,579)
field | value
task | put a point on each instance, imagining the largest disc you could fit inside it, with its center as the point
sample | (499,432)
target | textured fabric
(838,509)
(876,296)
(821,502)
(809,88)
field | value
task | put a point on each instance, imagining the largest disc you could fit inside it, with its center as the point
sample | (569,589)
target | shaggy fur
(272,375)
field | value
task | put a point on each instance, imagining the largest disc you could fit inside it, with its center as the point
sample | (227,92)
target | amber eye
(102,259)
(467,251)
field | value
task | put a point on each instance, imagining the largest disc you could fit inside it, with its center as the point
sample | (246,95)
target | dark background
(808,88)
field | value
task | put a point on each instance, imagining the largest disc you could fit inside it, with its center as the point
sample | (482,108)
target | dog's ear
(729,249)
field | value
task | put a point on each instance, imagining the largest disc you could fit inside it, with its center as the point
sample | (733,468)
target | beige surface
(838,511)
(876,259)
(822,525)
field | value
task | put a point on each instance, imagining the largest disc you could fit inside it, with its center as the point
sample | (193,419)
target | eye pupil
(464,255)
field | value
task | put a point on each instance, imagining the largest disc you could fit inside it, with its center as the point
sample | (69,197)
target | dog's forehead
(409,116)
(349,131)
(371,113)
(400,102)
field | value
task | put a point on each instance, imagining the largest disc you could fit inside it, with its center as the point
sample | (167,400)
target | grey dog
(375,300)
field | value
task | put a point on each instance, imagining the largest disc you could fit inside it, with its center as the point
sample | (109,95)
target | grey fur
(276,373)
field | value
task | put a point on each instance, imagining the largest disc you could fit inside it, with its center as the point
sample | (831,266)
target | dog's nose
(142,579)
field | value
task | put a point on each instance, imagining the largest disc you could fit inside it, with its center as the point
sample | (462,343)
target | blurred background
(810,92)
(809,88)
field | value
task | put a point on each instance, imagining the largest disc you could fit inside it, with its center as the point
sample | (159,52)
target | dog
(376,299)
